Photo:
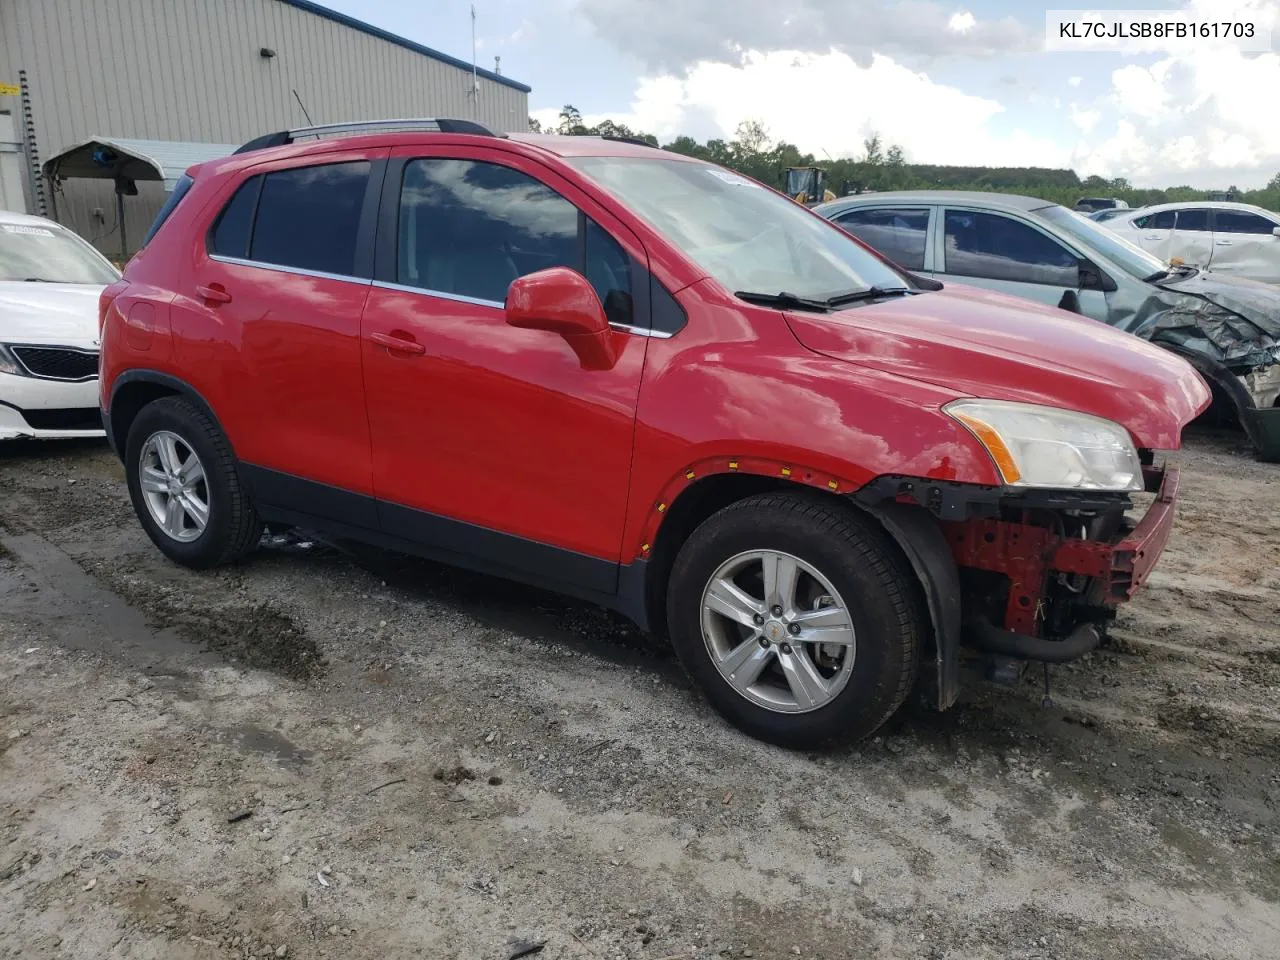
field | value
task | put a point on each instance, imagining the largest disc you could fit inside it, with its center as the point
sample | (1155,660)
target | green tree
(873,152)
(570,122)
(753,152)
(751,138)
(535,126)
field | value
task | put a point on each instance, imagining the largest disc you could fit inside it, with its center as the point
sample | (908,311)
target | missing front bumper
(1032,558)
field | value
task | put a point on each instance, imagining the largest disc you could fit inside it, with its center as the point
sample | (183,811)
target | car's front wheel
(184,486)
(797,619)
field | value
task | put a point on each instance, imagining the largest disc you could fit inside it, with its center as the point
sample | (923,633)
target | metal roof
(400,41)
(1006,201)
(105,157)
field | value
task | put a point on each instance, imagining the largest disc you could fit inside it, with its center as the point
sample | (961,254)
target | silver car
(1228,328)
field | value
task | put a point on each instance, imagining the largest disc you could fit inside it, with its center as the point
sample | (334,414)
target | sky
(952,82)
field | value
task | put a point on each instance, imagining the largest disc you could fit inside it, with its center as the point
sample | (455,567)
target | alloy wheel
(778,631)
(174,486)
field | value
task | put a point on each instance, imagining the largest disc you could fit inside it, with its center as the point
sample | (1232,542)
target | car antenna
(303,106)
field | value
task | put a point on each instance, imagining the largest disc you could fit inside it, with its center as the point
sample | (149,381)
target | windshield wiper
(796,302)
(871,293)
(782,299)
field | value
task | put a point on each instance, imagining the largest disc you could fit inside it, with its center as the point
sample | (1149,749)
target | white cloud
(961,22)
(1086,120)
(1206,117)
(1074,81)
(933,122)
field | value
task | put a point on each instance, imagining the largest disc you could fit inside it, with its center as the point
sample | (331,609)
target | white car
(50,280)
(1228,238)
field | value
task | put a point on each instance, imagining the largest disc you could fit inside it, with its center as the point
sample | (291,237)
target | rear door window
(899,234)
(996,247)
(308,218)
(1239,221)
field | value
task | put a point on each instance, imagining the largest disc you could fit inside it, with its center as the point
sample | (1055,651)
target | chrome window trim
(499,305)
(296,271)
(442,294)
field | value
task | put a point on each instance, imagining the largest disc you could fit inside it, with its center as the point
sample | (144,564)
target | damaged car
(649,382)
(1228,328)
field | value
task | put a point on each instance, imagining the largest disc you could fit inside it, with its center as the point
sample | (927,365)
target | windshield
(35,251)
(1130,258)
(749,238)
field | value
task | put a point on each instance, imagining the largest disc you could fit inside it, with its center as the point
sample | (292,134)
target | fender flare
(728,466)
(159,379)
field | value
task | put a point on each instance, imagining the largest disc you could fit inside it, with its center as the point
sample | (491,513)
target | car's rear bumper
(48,409)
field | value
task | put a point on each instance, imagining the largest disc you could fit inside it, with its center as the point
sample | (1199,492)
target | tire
(231,529)
(834,547)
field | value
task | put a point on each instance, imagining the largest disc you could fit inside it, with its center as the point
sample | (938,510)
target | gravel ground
(325,753)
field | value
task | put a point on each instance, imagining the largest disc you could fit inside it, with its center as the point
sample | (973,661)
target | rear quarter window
(180,190)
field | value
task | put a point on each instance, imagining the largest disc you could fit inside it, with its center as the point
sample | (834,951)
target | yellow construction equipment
(808,185)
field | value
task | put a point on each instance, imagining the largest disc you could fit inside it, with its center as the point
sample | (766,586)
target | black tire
(233,528)
(857,559)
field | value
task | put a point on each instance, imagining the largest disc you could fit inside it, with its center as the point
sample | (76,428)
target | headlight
(1035,446)
(8,364)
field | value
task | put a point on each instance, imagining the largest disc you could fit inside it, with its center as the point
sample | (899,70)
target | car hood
(1229,319)
(52,313)
(985,344)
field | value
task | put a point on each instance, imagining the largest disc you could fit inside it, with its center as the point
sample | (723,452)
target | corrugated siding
(190,70)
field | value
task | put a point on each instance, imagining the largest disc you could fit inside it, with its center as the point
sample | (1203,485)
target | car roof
(546,143)
(1206,204)
(9,216)
(565,146)
(998,201)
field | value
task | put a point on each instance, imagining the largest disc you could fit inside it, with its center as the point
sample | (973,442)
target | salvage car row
(1226,326)
(638,378)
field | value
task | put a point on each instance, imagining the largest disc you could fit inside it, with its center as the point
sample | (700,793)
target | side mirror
(561,301)
(1091,278)
(1275,231)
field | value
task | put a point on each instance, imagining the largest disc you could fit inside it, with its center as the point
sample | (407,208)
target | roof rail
(432,124)
(636,140)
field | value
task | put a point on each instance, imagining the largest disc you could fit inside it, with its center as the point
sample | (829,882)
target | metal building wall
(191,70)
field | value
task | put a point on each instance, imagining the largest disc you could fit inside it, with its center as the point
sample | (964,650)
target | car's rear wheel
(798,620)
(184,486)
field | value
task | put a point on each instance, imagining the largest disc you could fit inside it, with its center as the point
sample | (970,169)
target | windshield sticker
(733,178)
(26,231)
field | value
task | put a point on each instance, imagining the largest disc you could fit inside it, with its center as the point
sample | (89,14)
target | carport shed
(212,71)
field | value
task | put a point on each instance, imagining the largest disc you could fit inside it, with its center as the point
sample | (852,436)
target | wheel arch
(711,485)
(133,390)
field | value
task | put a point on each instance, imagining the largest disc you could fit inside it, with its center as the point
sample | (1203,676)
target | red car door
(491,443)
(271,328)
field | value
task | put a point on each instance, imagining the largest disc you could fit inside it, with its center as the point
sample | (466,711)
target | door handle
(1224,243)
(213,293)
(398,344)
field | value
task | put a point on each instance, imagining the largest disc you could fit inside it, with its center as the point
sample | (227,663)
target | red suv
(646,381)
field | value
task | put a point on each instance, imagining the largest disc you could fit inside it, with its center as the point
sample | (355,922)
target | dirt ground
(322,753)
